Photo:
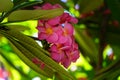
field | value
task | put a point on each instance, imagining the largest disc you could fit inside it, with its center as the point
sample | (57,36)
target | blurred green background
(97,34)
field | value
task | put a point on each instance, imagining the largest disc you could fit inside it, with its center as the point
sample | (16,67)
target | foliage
(97,34)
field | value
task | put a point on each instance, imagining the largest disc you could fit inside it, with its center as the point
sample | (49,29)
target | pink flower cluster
(3,73)
(58,32)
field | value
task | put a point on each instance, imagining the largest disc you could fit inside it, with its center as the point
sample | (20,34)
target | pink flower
(48,6)
(73,53)
(64,54)
(66,62)
(67,32)
(48,33)
(55,21)
(57,51)
(58,32)
(66,17)
(3,74)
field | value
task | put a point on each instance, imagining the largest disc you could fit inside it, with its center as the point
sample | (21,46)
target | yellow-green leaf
(25,55)
(86,45)
(22,15)
(5,5)
(26,39)
(18,27)
(28,49)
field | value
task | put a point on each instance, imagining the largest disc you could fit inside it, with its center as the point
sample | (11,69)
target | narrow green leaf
(23,4)
(30,55)
(86,45)
(26,39)
(18,27)
(25,55)
(47,60)
(16,2)
(22,15)
(5,5)
(89,5)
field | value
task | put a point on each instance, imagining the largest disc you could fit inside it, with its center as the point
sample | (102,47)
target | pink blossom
(57,51)
(67,32)
(66,62)
(66,17)
(64,54)
(3,74)
(48,6)
(73,53)
(58,32)
(54,21)
(47,33)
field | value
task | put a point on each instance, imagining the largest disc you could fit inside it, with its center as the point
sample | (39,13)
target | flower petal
(54,21)
(42,36)
(52,38)
(47,6)
(69,28)
(57,6)
(56,56)
(53,48)
(75,55)
(62,39)
(66,62)
(73,20)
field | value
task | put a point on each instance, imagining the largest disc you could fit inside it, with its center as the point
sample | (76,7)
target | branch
(102,38)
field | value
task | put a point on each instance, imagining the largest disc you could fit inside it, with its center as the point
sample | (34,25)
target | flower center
(49,31)
(65,32)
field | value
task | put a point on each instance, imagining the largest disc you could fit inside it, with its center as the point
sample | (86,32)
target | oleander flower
(57,51)
(48,33)
(59,33)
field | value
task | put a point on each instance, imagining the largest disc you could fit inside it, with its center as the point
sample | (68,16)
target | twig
(102,42)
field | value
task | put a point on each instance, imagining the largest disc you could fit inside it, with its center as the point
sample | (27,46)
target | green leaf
(22,15)
(23,4)
(115,8)
(86,44)
(24,54)
(18,27)
(47,60)
(30,49)
(16,2)
(10,62)
(5,5)
(30,56)
(89,5)
(26,39)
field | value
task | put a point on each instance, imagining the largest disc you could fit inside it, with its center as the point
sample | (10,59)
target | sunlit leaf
(26,39)
(18,27)
(22,15)
(86,44)
(25,55)
(30,51)
(5,5)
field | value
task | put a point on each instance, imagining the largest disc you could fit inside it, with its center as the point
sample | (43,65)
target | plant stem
(102,42)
